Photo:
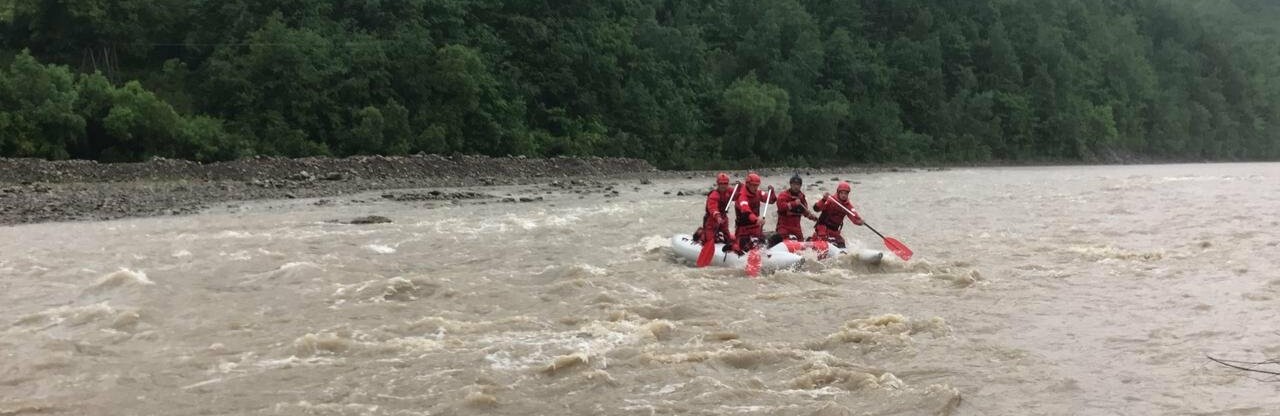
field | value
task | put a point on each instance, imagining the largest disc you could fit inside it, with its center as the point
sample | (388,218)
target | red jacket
(717,202)
(832,217)
(791,208)
(749,205)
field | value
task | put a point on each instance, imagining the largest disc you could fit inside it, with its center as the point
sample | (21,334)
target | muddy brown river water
(1033,291)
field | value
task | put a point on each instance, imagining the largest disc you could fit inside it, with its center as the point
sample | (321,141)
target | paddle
(753,259)
(893,244)
(709,246)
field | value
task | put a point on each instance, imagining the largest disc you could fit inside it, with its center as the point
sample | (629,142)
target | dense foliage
(682,83)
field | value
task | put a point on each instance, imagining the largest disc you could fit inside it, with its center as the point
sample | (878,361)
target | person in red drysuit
(791,207)
(831,216)
(714,221)
(750,226)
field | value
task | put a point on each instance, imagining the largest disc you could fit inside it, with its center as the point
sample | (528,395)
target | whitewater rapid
(1034,291)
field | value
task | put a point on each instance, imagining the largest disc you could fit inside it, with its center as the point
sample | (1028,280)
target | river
(1095,290)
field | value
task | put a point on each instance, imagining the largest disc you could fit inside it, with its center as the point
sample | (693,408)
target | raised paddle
(894,245)
(753,259)
(709,247)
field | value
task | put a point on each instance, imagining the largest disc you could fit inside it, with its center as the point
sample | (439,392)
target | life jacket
(753,200)
(832,217)
(716,202)
(787,216)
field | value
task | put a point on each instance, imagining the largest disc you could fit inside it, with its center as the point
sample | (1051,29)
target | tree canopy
(683,84)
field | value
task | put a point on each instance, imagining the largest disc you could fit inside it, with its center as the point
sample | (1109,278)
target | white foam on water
(541,348)
(668,389)
(202,383)
(456,226)
(597,271)
(1195,178)
(529,223)
(888,380)
(572,271)
(380,249)
(309,408)
(887,329)
(749,409)
(241,255)
(521,324)
(636,405)
(232,234)
(523,221)
(294,361)
(181,254)
(266,252)
(560,220)
(646,244)
(502,360)
(283,233)
(297,264)
(648,294)
(825,391)
(72,316)
(226,367)
(361,343)
(344,291)
(414,344)
(654,242)
(289,271)
(121,278)
(1112,253)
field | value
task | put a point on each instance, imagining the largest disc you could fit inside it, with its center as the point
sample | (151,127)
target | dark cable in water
(1232,364)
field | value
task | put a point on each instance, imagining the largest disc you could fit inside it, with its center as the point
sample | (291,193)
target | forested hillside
(681,83)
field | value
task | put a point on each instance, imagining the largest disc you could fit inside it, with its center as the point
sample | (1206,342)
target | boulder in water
(372,219)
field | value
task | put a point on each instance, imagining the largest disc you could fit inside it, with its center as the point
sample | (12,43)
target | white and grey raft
(825,250)
(770,260)
(781,256)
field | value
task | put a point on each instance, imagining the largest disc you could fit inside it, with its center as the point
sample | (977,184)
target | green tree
(37,109)
(756,118)
(695,83)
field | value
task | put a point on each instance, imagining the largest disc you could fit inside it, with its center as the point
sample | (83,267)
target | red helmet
(753,179)
(722,179)
(842,187)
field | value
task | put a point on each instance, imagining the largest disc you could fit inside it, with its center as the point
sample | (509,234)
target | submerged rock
(372,219)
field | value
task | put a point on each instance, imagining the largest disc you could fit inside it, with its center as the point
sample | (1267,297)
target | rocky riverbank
(34,191)
(39,191)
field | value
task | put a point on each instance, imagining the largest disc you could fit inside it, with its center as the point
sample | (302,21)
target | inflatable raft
(772,259)
(825,250)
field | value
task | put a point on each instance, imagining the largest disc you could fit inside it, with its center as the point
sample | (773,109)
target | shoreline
(37,191)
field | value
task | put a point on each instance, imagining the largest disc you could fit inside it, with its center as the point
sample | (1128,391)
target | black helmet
(796,179)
